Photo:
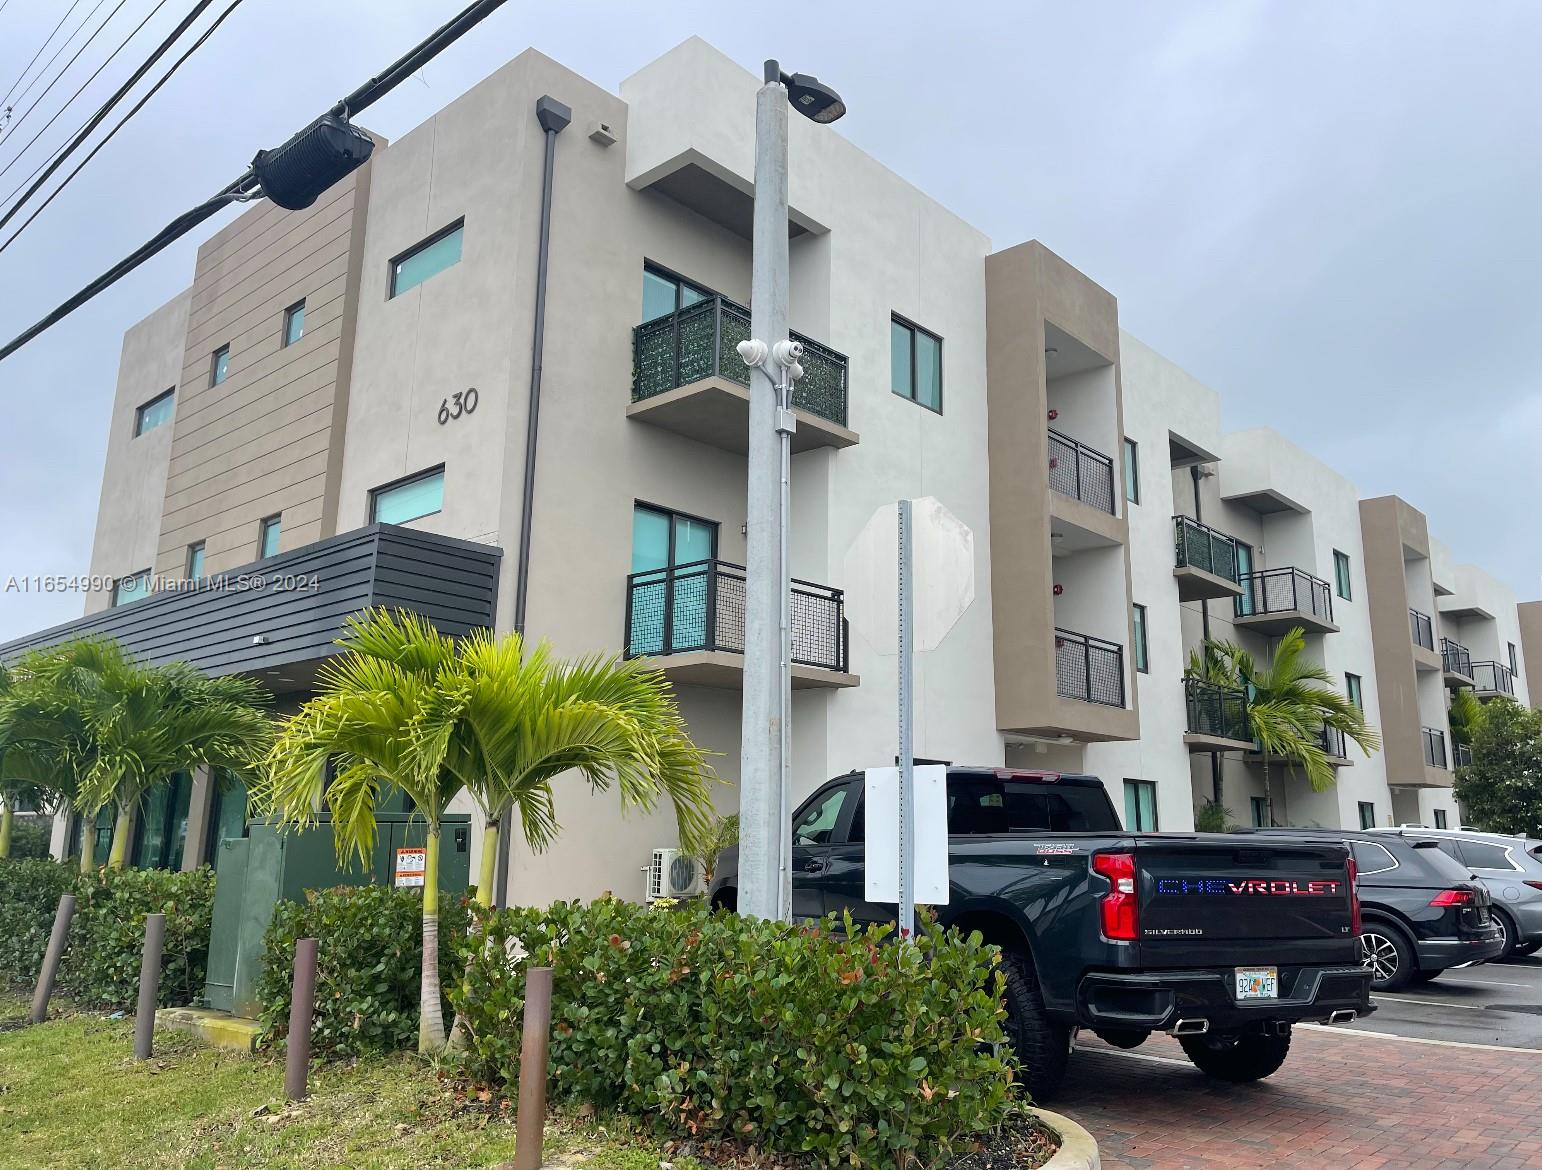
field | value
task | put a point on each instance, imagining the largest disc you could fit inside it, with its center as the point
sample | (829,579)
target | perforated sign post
(410,866)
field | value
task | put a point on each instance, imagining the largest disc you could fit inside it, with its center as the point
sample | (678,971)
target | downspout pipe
(554,117)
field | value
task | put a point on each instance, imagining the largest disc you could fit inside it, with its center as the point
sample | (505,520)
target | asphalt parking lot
(1442,1077)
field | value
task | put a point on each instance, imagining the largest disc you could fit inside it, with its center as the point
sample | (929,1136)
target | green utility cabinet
(258,871)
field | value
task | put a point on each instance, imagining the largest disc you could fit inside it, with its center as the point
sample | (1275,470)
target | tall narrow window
(408,499)
(157,412)
(1440,818)
(1244,567)
(268,532)
(1260,807)
(1515,665)
(440,251)
(1352,690)
(1132,471)
(665,293)
(672,573)
(1142,653)
(294,323)
(131,588)
(1367,815)
(1140,813)
(1341,574)
(195,561)
(219,365)
(915,364)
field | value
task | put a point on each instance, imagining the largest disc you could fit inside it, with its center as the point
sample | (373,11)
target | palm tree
(1466,716)
(1290,701)
(410,708)
(89,717)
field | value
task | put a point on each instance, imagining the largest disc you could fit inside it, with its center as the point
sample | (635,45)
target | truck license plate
(1257,983)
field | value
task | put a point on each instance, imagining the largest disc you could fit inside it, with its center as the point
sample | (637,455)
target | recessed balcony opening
(1082,396)
(1456,664)
(1090,631)
(1491,680)
(1206,561)
(1275,601)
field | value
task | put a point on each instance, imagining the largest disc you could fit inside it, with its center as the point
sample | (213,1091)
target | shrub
(29,896)
(30,839)
(801,1041)
(368,965)
(107,936)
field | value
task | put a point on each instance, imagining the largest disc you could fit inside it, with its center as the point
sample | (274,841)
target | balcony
(1490,680)
(1434,747)
(691,618)
(687,378)
(1080,473)
(1334,743)
(1276,601)
(1088,669)
(1422,629)
(1217,717)
(1461,755)
(1456,664)
(1206,561)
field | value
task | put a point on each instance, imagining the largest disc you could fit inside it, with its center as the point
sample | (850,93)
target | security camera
(753,352)
(787,352)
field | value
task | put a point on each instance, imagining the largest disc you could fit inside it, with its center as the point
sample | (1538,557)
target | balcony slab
(1456,680)
(724,670)
(1282,621)
(1202,741)
(716,411)
(1427,659)
(1201,585)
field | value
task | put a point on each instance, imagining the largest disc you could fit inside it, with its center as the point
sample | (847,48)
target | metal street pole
(764,871)
(907,753)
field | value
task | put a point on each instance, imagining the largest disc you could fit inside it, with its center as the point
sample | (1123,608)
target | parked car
(1223,943)
(1510,868)
(1422,911)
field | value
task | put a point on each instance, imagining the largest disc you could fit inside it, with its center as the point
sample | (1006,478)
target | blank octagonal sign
(942,576)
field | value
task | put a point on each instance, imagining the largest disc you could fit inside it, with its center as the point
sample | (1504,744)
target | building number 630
(457,404)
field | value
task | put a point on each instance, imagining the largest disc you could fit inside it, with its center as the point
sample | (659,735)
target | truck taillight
(1119,904)
(1454,898)
(1354,898)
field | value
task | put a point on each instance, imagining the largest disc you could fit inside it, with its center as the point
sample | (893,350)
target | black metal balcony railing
(1199,546)
(1422,628)
(1493,676)
(1333,741)
(1216,710)
(1461,755)
(1089,669)
(1284,591)
(698,342)
(700,606)
(1434,747)
(1076,470)
(1455,658)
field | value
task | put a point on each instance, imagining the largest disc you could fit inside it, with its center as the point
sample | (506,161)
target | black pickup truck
(1223,941)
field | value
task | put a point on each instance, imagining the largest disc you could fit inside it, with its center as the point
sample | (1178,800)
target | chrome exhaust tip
(1343,1016)
(1191,1027)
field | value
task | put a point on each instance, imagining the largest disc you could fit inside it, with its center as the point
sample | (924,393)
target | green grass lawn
(72,1096)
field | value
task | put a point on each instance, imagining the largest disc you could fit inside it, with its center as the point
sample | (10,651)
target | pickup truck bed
(1224,941)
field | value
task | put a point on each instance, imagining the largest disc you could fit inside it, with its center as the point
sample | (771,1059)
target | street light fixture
(765,812)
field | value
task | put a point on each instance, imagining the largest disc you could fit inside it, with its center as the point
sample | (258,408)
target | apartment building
(334,416)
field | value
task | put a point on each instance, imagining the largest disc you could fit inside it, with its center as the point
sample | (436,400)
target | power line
(246,186)
(64,44)
(111,57)
(139,105)
(38,54)
(60,75)
(107,107)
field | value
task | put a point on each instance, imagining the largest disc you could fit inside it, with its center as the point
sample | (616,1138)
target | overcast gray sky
(1327,211)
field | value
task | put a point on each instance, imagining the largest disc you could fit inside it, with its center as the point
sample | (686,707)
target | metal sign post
(907,822)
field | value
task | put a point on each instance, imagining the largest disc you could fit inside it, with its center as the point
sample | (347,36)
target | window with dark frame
(1367,815)
(1440,818)
(1515,663)
(131,588)
(157,412)
(1341,574)
(1140,807)
(666,293)
(1142,652)
(1352,690)
(408,499)
(294,323)
(915,369)
(268,532)
(1132,471)
(219,365)
(427,259)
(195,560)
(1260,807)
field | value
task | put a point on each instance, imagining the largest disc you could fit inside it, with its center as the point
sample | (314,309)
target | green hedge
(29,896)
(367,965)
(843,1047)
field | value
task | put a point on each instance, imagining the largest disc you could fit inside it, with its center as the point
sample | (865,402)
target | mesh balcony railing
(1216,710)
(1455,658)
(1461,755)
(1283,591)
(1434,747)
(1089,669)
(1493,676)
(1422,629)
(700,606)
(1076,470)
(1334,742)
(698,342)
(1199,546)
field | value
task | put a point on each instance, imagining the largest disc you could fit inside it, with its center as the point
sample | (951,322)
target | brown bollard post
(51,957)
(149,985)
(302,1002)
(530,1125)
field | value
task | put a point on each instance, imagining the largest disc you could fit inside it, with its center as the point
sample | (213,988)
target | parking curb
(1078,1150)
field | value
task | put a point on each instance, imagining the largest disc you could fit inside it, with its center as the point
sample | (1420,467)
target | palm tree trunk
(1268,794)
(7,818)
(121,832)
(489,868)
(87,844)
(431,1003)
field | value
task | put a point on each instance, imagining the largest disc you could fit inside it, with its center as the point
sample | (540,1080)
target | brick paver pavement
(1340,1103)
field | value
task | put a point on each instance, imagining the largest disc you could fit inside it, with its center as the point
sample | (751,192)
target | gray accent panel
(452,582)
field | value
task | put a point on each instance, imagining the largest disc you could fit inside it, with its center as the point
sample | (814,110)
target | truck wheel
(1507,935)
(1388,956)
(1043,1047)
(1236,1058)
(1122,1037)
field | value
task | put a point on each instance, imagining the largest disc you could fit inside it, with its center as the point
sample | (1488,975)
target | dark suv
(1422,911)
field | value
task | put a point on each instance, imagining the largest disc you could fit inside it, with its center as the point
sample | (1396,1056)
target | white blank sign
(881,827)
